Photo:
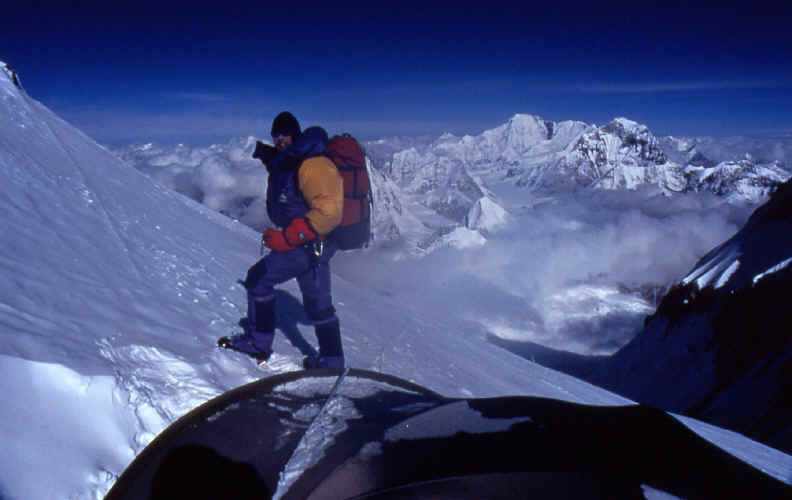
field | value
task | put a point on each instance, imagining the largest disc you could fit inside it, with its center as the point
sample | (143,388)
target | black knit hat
(286,124)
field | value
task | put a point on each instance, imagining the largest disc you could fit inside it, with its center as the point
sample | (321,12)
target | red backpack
(350,159)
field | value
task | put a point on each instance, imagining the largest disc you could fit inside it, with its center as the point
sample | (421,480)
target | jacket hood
(312,142)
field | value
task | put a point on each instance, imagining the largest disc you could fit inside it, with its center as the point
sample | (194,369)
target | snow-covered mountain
(766,149)
(451,174)
(626,155)
(737,181)
(486,216)
(719,347)
(619,155)
(546,157)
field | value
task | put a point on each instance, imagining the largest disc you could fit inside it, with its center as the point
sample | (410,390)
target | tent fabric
(382,437)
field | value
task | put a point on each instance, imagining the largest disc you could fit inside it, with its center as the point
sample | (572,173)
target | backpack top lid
(346,151)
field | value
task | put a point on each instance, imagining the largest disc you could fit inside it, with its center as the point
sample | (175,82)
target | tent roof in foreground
(383,437)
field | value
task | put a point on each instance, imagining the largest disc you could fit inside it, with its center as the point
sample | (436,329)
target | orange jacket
(323,190)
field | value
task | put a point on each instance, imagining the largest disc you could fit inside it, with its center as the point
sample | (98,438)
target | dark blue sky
(196,73)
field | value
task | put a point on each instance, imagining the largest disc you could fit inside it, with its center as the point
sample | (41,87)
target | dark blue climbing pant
(313,277)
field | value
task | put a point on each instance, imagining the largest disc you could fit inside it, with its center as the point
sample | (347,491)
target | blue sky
(197,73)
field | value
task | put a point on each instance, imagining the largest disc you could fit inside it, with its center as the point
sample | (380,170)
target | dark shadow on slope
(289,312)
(577,365)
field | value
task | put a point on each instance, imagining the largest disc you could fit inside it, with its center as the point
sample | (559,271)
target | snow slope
(114,290)
(99,262)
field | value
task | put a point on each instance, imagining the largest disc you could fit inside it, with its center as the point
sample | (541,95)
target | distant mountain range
(426,188)
(451,173)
